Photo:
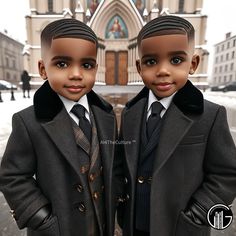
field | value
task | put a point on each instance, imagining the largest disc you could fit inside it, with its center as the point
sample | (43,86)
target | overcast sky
(221,19)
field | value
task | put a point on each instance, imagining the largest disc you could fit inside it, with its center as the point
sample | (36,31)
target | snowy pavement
(7,109)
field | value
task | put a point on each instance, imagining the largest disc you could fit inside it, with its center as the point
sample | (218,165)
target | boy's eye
(88,65)
(61,64)
(150,62)
(176,60)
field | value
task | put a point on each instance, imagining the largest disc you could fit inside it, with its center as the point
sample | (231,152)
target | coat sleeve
(219,184)
(17,172)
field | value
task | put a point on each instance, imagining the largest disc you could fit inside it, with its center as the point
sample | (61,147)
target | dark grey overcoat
(41,165)
(195,160)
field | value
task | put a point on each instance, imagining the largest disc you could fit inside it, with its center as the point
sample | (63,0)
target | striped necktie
(154,118)
(79,111)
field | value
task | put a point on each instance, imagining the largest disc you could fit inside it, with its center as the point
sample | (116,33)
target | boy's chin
(162,94)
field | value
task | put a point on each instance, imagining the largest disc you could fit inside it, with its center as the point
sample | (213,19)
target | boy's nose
(163,70)
(76,73)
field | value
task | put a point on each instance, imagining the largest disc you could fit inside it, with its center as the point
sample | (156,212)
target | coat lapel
(174,126)
(94,147)
(132,129)
(106,129)
(80,138)
(64,138)
(107,134)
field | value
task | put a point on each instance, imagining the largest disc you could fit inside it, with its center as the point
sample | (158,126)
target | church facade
(116,23)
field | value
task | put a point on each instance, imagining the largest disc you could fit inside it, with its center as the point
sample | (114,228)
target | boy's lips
(74,88)
(163,86)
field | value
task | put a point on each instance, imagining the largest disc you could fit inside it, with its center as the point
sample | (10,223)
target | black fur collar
(47,104)
(188,99)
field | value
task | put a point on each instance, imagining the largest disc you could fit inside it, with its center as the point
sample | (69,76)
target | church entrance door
(116,68)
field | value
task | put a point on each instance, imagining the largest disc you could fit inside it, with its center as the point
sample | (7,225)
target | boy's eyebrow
(67,58)
(178,52)
(61,58)
(170,53)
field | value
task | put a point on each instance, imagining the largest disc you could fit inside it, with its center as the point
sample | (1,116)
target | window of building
(230,78)
(7,62)
(222,47)
(234,43)
(225,78)
(50,5)
(231,66)
(233,54)
(228,44)
(181,6)
(220,68)
(227,56)
(216,60)
(226,68)
(14,64)
(216,68)
(221,58)
(8,76)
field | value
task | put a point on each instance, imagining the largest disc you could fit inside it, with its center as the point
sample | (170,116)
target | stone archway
(125,9)
(117,58)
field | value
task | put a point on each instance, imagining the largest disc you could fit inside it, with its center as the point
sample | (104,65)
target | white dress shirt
(165,102)
(69,104)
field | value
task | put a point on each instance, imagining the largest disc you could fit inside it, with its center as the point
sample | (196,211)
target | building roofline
(12,39)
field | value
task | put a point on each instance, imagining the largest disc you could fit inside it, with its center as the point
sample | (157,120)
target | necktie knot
(78,110)
(156,108)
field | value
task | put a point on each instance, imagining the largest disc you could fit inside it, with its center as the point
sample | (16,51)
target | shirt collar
(69,104)
(165,102)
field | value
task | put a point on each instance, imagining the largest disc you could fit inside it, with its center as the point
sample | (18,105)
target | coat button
(95,195)
(81,207)
(13,214)
(141,179)
(91,177)
(149,180)
(102,188)
(79,188)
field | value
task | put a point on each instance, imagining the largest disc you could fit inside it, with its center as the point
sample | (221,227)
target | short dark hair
(168,24)
(67,28)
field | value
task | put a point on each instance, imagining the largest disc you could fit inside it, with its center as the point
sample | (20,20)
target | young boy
(54,174)
(182,160)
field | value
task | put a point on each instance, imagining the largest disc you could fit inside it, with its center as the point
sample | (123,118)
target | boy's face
(165,63)
(70,66)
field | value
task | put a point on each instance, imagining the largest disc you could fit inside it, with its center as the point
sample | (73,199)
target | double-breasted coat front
(41,165)
(195,159)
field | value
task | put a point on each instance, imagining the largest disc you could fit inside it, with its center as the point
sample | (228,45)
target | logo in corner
(219,216)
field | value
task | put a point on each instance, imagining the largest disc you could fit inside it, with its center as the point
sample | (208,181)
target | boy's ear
(194,64)
(138,66)
(42,71)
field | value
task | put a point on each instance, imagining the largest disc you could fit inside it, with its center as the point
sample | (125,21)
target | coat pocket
(193,140)
(50,228)
(186,227)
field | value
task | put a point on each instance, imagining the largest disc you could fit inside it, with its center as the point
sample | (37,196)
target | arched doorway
(116,68)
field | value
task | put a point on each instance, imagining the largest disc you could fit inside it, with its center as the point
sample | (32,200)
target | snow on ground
(7,109)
